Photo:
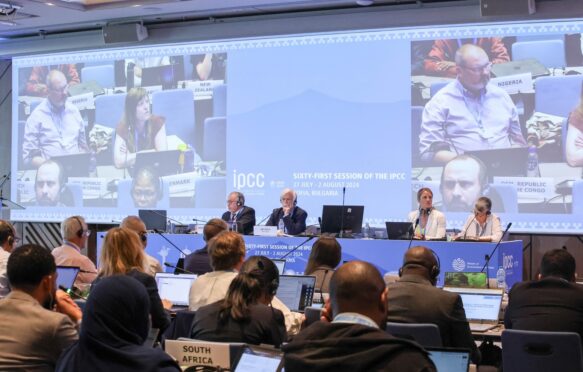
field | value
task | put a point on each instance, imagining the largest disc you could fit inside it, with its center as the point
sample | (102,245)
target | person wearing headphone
(245,314)
(290,218)
(428,222)
(8,241)
(415,299)
(240,217)
(75,233)
(482,225)
(198,262)
(136,224)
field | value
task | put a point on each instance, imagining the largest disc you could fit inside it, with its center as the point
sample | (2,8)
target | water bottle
(281,225)
(366,231)
(532,169)
(501,278)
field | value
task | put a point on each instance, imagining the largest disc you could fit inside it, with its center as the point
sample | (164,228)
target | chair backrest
(215,139)
(436,87)
(220,100)
(509,196)
(209,192)
(551,53)
(125,201)
(181,326)
(541,351)
(177,107)
(103,74)
(109,109)
(425,334)
(557,95)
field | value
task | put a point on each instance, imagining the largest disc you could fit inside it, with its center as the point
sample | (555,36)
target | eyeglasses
(478,69)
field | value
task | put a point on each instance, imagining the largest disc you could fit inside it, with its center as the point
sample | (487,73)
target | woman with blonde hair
(122,254)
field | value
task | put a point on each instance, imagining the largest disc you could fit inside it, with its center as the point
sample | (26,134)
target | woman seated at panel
(245,314)
(574,142)
(139,130)
(115,326)
(325,256)
(122,254)
(428,222)
(482,225)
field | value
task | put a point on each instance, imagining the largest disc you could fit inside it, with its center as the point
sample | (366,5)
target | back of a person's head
(133,223)
(28,265)
(326,252)
(357,287)
(121,252)
(226,250)
(558,263)
(118,308)
(71,226)
(213,228)
(257,281)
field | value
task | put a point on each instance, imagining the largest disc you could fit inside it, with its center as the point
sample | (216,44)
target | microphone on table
(489,257)
(342,213)
(170,242)
(263,220)
(414,226)
(178,268)
(470,224)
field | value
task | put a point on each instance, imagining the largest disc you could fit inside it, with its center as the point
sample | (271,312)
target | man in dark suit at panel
(198,261)
(553,303)
(292,217)
(240,216)
(415,299)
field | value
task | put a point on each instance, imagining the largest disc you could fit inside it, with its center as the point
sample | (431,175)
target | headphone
(273,284)
(143,237)
(240,199)
(433,271)
(79,233)
(483,203)
(6,233)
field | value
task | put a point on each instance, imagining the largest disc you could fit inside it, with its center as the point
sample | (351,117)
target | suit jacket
(198,262)
(32,337)
(295,223)
(414,299)
(550,304)
(245,220)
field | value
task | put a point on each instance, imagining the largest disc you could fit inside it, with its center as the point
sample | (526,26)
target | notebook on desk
(482,306)
(175,288)
(296,291)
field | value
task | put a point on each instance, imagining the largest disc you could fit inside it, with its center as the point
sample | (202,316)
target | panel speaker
(124,33)
(507,7)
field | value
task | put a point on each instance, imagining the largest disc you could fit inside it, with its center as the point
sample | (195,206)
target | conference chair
(209,192)
(103,74)
(181,325)
(124,197)
(215,139)
(557,95)
(551,53)
(220,100)
(109,109)
(177,107)
(535,351)
(425,334)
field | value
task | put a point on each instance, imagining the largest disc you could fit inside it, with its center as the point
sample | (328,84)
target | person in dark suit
(198,262)
(293,217)
(553,303)
(240,216)
(245,314)
(415,299)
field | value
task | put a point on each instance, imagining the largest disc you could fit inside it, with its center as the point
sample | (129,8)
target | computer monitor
(153,219)
(333,221)
(296,291)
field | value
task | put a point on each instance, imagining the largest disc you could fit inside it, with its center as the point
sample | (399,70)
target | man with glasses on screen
(74,232)
(55,127)
(469,113)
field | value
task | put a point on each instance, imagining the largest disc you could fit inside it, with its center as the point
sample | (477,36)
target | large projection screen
(178,127)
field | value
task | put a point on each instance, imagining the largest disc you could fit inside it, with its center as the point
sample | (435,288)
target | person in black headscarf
(115,326)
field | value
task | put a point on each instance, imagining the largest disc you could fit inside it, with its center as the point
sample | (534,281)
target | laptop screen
(480,304)
(66,276)
(450,360)
(296,291)
(280,265)
(153,219)
(254,360)
(175,287)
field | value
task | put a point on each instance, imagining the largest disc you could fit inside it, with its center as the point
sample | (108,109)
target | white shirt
(435,227)
(491,229)
(4,286)
(153,265)
(70,255)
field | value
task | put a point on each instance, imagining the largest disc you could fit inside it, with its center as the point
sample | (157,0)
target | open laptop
(296,291)
(75,165)
(399,230)
(466,279)
(165,75)
(166,163)
(523,66)
(66,276)
(482,306)
(449,359)
(153,219)
(175,288)
(498,164)
(257,358)
(280,265)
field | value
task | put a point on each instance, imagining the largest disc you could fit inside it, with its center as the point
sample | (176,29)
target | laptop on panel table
(175,288)
(482,306)
(296,291)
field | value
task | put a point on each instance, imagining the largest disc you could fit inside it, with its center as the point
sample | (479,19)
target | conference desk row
(386,255)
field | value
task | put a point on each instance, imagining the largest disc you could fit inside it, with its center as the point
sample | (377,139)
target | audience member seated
(146,188)
(352,337)
(239,216)
(138,226)
(415,299)
(198,262)
(49,186)
(428,222)
(122,254)
(55,127)
(37,81)
(245,314)
(292,217)
(227,254)
(115,326)
(553,303)
(325,256)
(37,321)
(482,225)
(574,142)
(139,130)
(7,244)
(75,233)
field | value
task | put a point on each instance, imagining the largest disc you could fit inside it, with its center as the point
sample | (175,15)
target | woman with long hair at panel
(325,256)
(245,314)
(115,326)
(428,222)
(139,129)
(122,254)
